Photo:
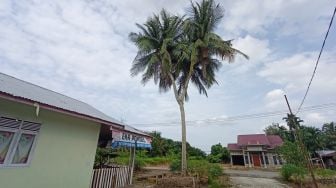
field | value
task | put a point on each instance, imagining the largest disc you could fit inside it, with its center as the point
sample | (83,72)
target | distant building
(328,157)
(256,150)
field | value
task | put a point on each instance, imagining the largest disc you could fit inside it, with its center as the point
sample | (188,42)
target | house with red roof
(256,150)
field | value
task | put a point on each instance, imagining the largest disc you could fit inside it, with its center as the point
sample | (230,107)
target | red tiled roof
(271,141)
(233,147)
(274,140)
(252,139)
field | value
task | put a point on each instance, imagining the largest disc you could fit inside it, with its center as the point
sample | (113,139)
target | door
(256,159)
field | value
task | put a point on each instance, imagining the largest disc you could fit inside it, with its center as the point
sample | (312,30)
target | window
(17,141)
(266,159)
(280,160)
(246,159)
(275,160)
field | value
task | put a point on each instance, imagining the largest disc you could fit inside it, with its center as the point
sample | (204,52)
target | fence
(110,177)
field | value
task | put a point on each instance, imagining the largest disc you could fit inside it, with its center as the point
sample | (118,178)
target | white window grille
(17,141)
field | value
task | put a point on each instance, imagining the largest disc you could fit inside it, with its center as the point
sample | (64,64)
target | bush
(292,172)
(199,167)
(215,171)
(175,165)
(291,153)
(214,158)
(203,169)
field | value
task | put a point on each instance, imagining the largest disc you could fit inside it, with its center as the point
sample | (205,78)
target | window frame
(14,144)
(11,145)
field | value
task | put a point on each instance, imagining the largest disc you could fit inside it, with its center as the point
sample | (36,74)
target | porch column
(263,156)
(244,158)
(231,160)
(249,160)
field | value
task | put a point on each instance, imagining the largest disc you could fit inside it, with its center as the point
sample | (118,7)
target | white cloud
(274,100)
(315,118)
(257,49)
(286,17)
(81,49)
(295,71)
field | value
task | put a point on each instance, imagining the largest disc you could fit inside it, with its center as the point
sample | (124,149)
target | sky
(81,48)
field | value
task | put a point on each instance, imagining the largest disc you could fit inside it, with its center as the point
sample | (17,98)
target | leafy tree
(217,149)
(219,154)
(277,129)
(329,130)
(291,153)
(163,147)
(175,51)
(313,138)
(159,145)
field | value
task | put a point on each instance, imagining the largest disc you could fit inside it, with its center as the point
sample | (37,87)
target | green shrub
(291,154)
(214,158)
(199,167)
(215,171)
(175,165)
(214,184)
(292,172)
(139,163)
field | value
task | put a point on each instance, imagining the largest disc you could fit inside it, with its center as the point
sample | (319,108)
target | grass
(141,160)
(325,173)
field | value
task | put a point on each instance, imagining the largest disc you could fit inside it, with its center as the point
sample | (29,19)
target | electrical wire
(236,118)
(317,62)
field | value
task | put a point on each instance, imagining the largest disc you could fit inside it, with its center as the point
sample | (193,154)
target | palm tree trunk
(180,102)
(184,140)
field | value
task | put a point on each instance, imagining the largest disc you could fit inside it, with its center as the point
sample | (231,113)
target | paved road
(254,178)
(252,173)
(243,182)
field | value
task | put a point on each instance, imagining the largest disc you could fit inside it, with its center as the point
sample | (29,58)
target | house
(256,150)
(48,139)
(328,158)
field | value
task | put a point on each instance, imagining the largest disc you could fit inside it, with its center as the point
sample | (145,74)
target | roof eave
(57,109)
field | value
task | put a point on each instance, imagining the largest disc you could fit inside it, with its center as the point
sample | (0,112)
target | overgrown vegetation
(219,154)
(291,172)
(208,172)
(314,139)
(164,147)
(163,152)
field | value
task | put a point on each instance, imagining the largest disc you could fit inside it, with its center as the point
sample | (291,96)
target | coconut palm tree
(176,51)
(159,36)
(198,55)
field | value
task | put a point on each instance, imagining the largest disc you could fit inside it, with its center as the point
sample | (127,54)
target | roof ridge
(252,134)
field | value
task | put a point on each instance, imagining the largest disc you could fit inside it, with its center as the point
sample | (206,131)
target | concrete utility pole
(293,123)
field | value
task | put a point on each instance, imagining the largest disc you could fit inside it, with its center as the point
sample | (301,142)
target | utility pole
(294,123)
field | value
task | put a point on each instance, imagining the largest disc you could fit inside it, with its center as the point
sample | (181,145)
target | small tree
(291,153)
(219,154)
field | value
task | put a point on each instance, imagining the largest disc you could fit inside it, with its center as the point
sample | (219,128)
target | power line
(238,117)
(317,62)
